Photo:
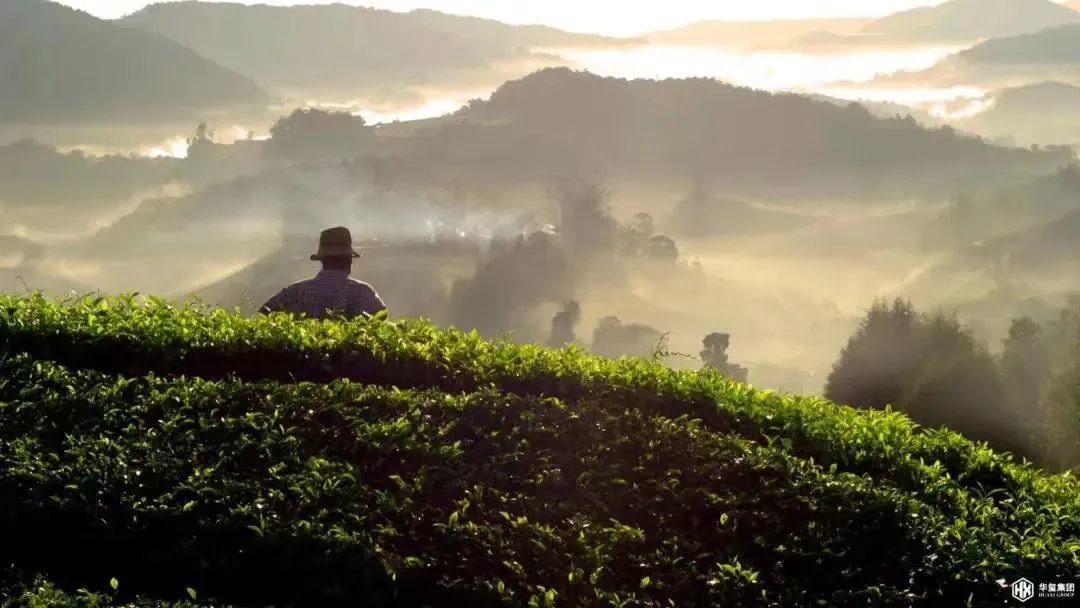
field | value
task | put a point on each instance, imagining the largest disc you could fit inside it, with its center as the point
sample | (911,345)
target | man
(331,292)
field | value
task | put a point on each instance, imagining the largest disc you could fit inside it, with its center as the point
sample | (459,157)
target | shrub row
(338,494)
(132,336)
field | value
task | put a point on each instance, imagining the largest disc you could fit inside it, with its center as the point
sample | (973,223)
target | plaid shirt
(330,292)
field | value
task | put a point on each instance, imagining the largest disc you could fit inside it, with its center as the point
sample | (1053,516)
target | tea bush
(170,447)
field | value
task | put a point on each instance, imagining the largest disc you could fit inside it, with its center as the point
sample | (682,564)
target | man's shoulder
(299,284)
(360,285)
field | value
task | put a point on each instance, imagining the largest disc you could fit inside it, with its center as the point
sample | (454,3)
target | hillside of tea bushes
(156,454)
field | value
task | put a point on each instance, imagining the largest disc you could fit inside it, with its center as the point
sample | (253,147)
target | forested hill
(641,127)
(343,46)
(59,65)
(1057,45)
(967,20)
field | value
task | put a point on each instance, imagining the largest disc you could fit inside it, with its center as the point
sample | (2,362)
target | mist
(738,202)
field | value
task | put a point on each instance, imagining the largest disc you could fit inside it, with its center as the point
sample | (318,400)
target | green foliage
(931,368)
(43,594)
(169,447)
(1040,369)
(1059,391)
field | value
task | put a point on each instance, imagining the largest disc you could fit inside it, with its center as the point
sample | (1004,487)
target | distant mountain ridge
(502,35)
(1054,45)
(1041,113)
(753,34)
(1044,97)
(340,46)
(1049,54)
(59,64)
(952,22)
(1033,260)
(973,19)
(639,127)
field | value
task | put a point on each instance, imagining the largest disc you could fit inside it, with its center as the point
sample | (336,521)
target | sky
(616,17)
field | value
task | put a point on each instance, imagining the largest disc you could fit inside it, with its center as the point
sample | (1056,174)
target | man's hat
(335,243)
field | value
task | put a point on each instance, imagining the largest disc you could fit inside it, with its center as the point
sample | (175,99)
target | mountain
(753,34)
(338,47)
(1041,113)
(744,137)
(1056,45)
(1042,97)
(966,20)
(1050,54)
(62,65)
(1019,238)
(1031,262)
(499,36)
(48,194)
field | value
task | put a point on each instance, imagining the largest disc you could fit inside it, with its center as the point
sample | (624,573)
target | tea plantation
(154,454)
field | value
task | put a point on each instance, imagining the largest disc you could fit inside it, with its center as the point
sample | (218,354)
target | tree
(879,360)
(202,135)
(201,142)
(930,367)
(1060,405)
(1025,364)
(612,338)
(715,357)
(1059,399)
(563,324)
(510,282)
(586,222)
(662,248)
(311,134)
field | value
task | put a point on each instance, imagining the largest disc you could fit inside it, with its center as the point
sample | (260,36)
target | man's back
(329,292)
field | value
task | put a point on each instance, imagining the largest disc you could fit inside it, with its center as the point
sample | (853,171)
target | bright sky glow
(616,17)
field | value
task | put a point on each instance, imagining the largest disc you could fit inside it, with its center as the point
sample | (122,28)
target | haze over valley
(766,179)
(562,304)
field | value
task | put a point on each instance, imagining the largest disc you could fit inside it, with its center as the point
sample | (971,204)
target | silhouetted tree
(563,324)
(930,367)
(876,366)
(586,222)
(510,282)
(662,248)
(715,356)
(1025,365)
(1059,399)
(314,134)
(613,339)
(200,143)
